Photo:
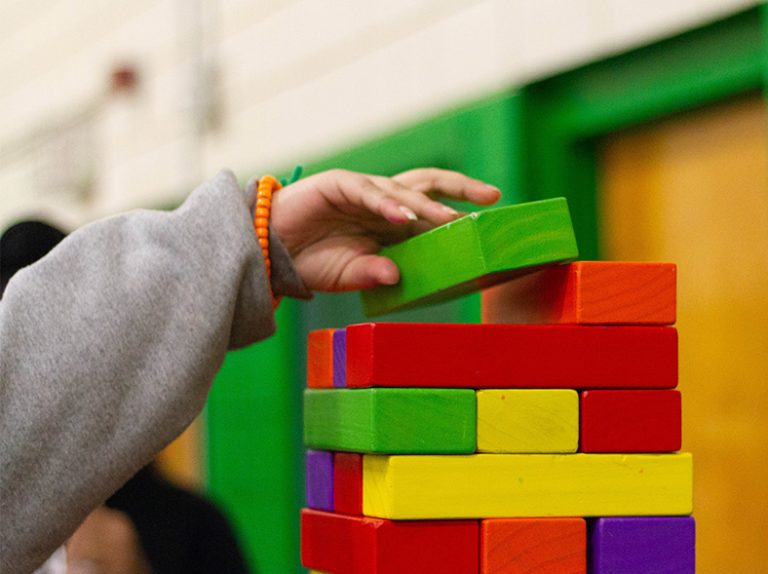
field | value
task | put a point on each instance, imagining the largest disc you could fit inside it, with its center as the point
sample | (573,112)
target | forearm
(108,347)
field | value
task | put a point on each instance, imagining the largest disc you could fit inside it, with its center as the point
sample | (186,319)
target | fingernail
(448,209)
(409,213)
(489,187)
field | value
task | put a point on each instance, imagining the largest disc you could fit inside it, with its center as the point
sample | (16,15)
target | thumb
(367,272)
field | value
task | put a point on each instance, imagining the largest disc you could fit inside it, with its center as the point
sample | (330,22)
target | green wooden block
(474,252)
(403,421)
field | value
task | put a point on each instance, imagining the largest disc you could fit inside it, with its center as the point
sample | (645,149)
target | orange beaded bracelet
(266,188)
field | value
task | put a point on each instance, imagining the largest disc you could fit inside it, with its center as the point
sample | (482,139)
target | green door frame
(537,142)
(567,115)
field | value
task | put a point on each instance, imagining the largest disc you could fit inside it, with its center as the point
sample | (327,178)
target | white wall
(255,85)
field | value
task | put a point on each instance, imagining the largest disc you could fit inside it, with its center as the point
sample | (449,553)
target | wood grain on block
(320,359)
(507,356)
(340,358)
(526,485)
(587,293)
(391,420)
(630,421)
(348,482)
(527,421)
(357,544)
(643,545)
(319,479)
(476,251)
(533,545)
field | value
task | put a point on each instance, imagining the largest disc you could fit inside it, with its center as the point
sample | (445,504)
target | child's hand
(335,222)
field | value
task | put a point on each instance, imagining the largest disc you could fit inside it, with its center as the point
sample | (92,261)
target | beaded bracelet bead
(266,188)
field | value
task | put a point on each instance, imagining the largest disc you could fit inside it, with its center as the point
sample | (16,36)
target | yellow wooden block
(528,421)
(505,485)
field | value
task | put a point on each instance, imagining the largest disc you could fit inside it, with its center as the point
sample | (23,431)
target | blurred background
(649,116)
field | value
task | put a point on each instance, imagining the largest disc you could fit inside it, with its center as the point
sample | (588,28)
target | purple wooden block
(320,479)
(642,545)
(340,358)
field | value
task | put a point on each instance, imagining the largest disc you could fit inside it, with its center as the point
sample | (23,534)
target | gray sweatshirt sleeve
(108,347)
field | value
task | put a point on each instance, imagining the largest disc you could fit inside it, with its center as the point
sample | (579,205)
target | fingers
(409,196)
(419,205)
(345,262)
(356,190)
(334,222)
(368,271)
(433,181)
(406,198)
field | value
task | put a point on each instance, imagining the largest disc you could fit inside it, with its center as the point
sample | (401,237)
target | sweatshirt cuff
(286,281)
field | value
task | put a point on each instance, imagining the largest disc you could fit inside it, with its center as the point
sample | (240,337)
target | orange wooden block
(527,545)
(320,359)
(587,293)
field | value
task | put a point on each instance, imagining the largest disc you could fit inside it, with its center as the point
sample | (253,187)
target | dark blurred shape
(23,244)
(179,531)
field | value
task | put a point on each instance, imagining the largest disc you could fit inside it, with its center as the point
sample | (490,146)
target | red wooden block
(510,356)
(630,421)
(348,482)
(527,545)
(355,544)
(587,293)
(320,359)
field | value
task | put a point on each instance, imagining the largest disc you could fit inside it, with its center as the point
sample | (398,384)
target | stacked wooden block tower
(541,441)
